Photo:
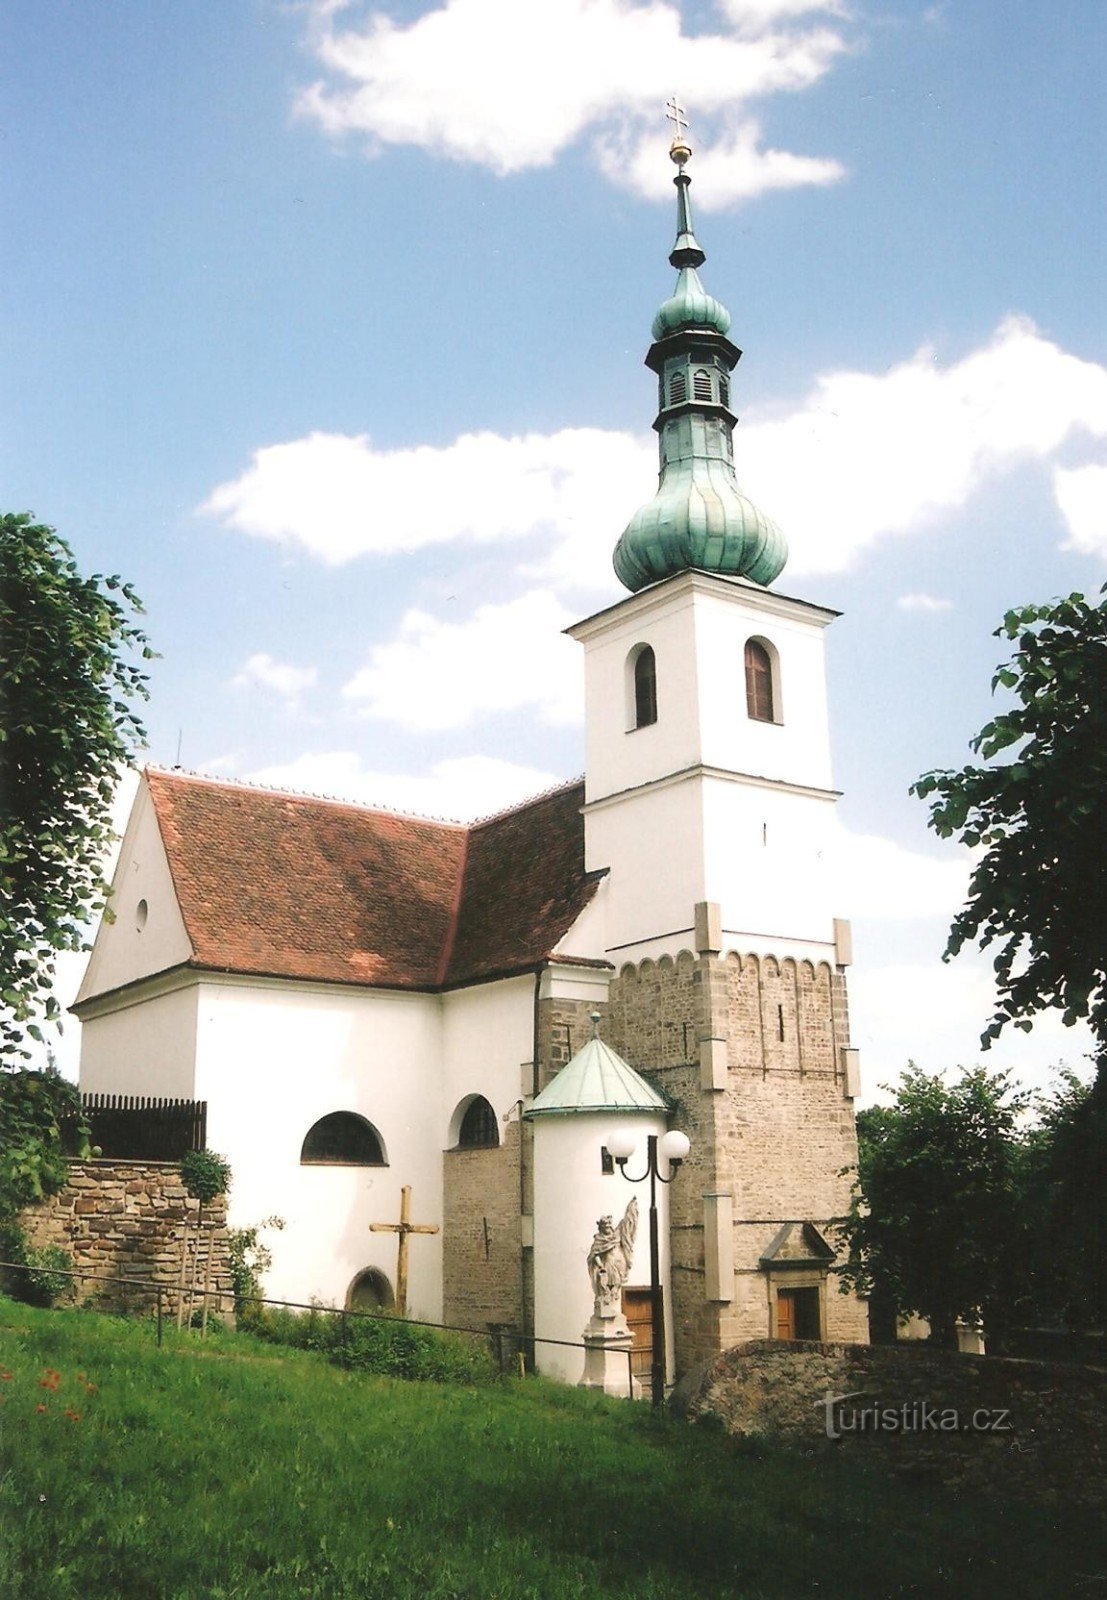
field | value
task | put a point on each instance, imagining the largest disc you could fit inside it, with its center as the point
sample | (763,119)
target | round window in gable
(142,911)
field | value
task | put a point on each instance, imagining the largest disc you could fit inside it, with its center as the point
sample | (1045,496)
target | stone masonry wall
(1026,1429)
(657,1014)
(785,1128)
(776,1138)
(127,1220)
(482,1270)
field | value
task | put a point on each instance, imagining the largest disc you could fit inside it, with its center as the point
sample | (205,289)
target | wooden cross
(403,1228)
(674,111)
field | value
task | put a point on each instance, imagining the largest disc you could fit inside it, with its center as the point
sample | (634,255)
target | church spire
(699,517)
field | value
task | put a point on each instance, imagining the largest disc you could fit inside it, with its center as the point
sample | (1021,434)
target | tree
(1040,890)
(67,683)
(936,1225)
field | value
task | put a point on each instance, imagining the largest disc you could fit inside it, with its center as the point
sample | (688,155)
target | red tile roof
(288,886)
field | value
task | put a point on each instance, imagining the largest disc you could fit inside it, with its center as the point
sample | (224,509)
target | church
(415,1037)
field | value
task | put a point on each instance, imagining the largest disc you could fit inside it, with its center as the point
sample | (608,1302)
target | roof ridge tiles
(254,787)
(522,805)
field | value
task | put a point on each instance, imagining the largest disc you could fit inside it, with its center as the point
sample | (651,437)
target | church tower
(709,802)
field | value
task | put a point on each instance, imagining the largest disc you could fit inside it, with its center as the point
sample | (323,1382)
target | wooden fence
(129,1127)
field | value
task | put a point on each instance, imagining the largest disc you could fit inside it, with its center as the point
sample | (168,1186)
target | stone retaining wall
(129,1220)
(1044,1435)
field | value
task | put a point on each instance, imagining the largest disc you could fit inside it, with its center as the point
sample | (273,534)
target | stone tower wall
(774,1139)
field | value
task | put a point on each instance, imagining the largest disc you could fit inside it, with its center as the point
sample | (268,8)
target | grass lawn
(231,1468)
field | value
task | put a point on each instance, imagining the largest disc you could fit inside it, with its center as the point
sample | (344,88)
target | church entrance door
(797,1314)
(639,1314)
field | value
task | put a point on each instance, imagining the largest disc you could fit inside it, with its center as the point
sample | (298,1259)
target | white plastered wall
(487,1047)
(570,1193)
(275,1057)
(146,1048)
(132,947)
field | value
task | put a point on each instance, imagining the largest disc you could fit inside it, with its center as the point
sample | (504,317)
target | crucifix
(403,1228)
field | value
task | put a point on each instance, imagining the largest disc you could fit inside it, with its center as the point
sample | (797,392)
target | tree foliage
(936,1225)
(40,1124)
(1039,892)
(68,681)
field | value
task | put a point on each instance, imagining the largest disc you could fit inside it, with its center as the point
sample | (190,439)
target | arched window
(701,384)
(343,1139)
(759,682)
(645,687)
(370,1291)
(678,389)
(724,390)
(479,1129)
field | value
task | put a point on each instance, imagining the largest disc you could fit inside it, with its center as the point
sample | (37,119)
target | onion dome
(690,306)
(699,516)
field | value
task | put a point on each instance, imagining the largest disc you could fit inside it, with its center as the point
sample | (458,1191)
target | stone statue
(609,1259)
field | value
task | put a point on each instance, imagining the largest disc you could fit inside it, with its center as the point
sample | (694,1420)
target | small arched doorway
(370,1291)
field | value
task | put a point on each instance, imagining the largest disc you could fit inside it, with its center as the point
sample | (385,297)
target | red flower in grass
(5,1375)
(72,1416)
(50,1379)
(40,1409)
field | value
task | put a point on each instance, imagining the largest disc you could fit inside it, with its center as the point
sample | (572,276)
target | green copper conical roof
(596,1079)
(699,517)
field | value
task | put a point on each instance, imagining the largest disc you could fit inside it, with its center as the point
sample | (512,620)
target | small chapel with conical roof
(423,1044)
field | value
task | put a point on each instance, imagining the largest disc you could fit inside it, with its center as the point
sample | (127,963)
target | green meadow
(235,1468)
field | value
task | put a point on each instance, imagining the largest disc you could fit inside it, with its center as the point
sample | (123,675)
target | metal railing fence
(502,1341)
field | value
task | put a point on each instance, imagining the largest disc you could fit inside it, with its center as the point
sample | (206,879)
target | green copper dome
(699,516)
(690,307)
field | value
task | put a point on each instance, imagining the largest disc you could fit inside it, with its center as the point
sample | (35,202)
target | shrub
(205,1175)
(249,1259)
(384,1345)
(41,1282)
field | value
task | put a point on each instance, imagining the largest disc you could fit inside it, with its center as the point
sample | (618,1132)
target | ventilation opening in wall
(142,911)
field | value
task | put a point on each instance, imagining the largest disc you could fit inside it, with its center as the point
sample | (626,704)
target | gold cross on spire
(680,149)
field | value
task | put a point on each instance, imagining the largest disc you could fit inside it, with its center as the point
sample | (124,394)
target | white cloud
(862,458)
(460,789)
(871,455)
(436,674)
(511,86)
(923,602)
(934,1013)
(337,497)
(1081,494)
(262,671)
(733,167)
(876,878)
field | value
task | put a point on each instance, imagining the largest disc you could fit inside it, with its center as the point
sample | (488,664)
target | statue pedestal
(607,1357)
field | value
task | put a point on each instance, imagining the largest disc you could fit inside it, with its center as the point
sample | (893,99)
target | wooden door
(638,1311)
(786,1314)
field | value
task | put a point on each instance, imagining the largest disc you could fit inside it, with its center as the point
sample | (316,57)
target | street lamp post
(674,1146)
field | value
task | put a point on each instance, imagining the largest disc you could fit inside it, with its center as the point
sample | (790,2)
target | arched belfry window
(724,390)
(645,687)
(760,689)
(701,384)
(479,1129)
(343,1139)
(678,389)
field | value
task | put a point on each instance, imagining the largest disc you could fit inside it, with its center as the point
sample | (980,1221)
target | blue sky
(324,325)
